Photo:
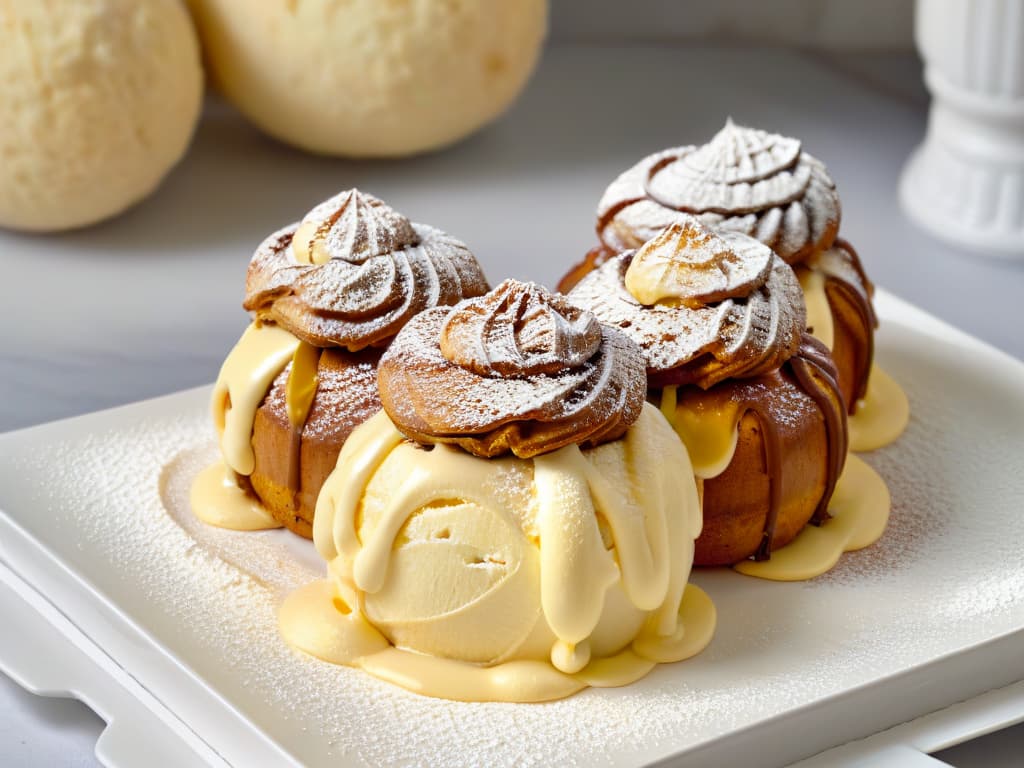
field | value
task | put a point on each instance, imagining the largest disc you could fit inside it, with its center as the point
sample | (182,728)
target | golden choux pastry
(367,78)
(99,101)
(286,478)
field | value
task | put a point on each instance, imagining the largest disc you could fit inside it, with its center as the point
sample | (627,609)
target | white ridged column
(965,183)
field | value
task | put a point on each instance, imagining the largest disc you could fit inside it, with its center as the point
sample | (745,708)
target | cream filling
(859,507)
(505,579)
(860,511)
(710,435)
(881,416)
(819,313)
(245,377)
(218,500)
(302,383)
(884,412)
(304,251)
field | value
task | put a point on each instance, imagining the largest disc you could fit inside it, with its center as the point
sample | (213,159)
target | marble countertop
(150,303)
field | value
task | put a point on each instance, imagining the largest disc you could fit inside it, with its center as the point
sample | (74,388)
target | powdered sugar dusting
(353,226)
(743,180)
(519,329)
(948,574)
(346,395)
(432,399)
(735,337)
(689,263)
(741,170)
(358,304)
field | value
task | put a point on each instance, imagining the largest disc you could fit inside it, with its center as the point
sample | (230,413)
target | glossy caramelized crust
(519,370)
(289,473)
(790,450)
(354,271)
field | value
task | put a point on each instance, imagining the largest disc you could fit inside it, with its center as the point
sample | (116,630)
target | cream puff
(720,320)
(765,186)
(327,295)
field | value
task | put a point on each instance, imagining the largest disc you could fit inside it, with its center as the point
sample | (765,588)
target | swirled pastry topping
(517,331)
(689,340)
(695,267)
(351,226)
(745,180)
(519,370)
(741,170)
(367,270)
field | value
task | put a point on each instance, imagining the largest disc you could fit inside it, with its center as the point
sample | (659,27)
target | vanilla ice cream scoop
(505,579)
(369,78)
(99,101)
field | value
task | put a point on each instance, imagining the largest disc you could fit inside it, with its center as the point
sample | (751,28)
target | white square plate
(931,614)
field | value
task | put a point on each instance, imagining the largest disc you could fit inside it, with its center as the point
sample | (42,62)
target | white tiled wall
(843,24)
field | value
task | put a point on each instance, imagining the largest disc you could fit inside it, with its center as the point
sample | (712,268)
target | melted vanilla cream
(860,512)
(315,620)
(882,415)
(709,433)
(302,382)
(859,507)
(245,377)
(819,312)
(218,500)
(505,579)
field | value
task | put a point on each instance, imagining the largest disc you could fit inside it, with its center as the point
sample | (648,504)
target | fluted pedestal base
(965,183)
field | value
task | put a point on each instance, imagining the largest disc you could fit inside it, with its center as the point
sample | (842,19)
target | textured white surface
(948,574)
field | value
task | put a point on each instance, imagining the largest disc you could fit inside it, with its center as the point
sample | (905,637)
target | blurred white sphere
(99,101)
(371,77)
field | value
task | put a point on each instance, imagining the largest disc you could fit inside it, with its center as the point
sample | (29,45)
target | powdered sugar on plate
(948,574)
